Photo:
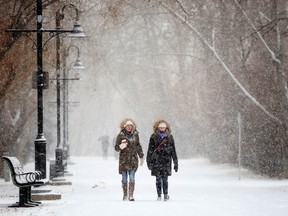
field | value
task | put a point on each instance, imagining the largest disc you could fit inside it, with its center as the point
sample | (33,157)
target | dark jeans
(162,182)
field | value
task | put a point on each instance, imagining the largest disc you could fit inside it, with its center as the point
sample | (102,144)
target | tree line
(216,69)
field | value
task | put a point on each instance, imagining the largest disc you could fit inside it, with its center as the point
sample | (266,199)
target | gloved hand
(142,161)
(176,167)
(123,144)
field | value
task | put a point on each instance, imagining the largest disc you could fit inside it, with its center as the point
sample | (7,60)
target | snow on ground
(199,189)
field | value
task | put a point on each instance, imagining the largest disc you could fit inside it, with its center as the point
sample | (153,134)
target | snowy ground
(199,189)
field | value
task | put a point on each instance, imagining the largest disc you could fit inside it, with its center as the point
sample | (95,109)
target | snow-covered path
(199,188)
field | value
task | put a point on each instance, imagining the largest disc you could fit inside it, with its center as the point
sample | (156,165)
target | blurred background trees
(216,70)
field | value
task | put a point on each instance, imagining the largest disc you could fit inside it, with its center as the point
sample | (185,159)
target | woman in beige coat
(129,147)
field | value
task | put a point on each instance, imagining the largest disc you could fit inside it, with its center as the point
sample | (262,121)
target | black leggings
(162,182)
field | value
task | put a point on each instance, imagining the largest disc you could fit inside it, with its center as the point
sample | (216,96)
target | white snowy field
(199,189)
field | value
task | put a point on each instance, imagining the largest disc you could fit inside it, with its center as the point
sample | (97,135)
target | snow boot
(131,191)
(166,197)
(124,187)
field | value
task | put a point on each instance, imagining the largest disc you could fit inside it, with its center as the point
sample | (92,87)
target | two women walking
(161,152)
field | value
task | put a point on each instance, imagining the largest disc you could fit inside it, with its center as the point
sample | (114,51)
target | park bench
(23,180)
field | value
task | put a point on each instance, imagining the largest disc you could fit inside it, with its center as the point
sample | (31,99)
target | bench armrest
(28,177)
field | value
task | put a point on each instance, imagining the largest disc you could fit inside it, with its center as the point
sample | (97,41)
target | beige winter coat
(128,158)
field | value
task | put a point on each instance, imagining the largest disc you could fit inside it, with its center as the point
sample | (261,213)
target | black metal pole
(66,143)
(64,103)
(65,106)
(58,78)
(58,151)
(67,119)
(40,142)
(65,150)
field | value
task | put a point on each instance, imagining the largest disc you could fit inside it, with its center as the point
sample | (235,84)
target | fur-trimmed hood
(159,121)
(123,122)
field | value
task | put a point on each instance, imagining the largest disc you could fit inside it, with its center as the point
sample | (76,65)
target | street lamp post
(59,168)
(63,153)
(77,66)
(40,141)
(58,161)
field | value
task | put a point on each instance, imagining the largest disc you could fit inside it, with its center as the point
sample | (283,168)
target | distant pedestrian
(128,144)
(161,152)
(105,146)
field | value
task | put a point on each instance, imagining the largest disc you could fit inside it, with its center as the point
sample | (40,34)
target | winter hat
(128,123)
(162,124)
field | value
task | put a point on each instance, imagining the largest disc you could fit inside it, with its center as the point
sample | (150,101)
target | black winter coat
(159,160)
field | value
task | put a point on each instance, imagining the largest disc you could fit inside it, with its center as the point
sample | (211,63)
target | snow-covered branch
(274,57)
(212,49)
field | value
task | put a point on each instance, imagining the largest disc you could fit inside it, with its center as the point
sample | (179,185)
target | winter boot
(125,196)
(166,197)
(131,190)
(159,197)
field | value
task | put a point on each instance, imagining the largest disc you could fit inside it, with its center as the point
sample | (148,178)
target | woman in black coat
(161,152)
